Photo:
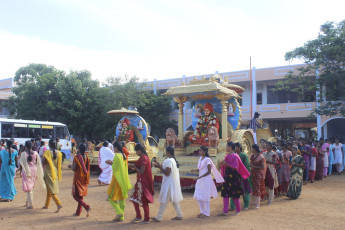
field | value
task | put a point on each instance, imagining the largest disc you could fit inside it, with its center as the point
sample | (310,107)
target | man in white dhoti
(105,154)
(171,188)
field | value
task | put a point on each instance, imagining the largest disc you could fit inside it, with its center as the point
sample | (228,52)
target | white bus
(23,130)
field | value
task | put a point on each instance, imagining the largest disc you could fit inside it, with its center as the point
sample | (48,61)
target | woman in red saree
(81,168)
(143,190)
(258,165)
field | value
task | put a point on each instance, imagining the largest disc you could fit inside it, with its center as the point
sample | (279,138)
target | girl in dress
(52,162)
(271,178)
(246,183)
(120,184)
(143,190)
(233,171)
(8,159)
(205,189)
(31,169)
(285,167)
(258,165)
(81,168)
(312,169)
(320,161)
(338,153)
(171,188)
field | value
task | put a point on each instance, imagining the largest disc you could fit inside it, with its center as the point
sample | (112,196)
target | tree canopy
(324,70)
(75,99)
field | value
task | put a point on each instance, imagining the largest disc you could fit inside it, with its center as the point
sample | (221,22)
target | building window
(259,98)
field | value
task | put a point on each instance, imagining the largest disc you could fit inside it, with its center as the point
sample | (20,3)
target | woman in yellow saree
(120,184)
(52,160)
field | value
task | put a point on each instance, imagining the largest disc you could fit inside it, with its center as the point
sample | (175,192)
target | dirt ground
(321,206)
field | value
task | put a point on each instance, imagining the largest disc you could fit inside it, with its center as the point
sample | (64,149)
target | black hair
(28,145)
(105,144)
(15,147)
(171,151)
(263,140)
(82,149)
(138,147)
(110,140)
(256,148)
(33,140)
(42,143)
(289,143)
(205,149)
(52,146)
(119,146)
(231,145)
(9,144)
(238,144)
(73,144)
(274,148)
(269,143)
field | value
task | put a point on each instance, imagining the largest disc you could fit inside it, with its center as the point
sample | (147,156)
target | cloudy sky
(157,38)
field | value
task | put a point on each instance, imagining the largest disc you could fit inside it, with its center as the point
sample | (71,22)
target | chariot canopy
(123,111)
(205,89)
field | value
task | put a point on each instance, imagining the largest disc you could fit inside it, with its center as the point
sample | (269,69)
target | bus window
(6,130)
(20,131)
(34,131)
(47,131)
(60,132)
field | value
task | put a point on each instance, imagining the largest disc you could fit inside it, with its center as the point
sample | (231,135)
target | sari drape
(120,183)
(7,172)
(52,171)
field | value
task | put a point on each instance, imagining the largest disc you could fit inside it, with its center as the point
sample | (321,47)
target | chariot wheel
(245,138)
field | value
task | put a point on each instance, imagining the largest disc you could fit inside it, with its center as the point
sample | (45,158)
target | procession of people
(270,171)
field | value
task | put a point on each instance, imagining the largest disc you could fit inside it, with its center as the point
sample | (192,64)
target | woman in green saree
(296,176)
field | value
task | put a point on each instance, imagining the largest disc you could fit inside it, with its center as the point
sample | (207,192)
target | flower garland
(204,123)
(125,134)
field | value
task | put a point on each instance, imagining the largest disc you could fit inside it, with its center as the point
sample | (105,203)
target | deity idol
(126,133)
(205,122)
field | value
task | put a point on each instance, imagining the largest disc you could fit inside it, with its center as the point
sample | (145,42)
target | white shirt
(171,182)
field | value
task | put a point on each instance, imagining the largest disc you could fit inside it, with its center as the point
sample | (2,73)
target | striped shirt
(253,124)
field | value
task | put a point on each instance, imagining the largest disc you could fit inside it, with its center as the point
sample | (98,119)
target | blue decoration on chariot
(217,107)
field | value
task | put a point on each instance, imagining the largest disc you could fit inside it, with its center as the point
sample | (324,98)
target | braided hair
(119,146)
(52,146)
(28,146)
(9,144)
(171,151)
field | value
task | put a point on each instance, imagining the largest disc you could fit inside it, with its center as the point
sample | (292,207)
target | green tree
(35,93)
(155,110)
(324,72)
(75,99)
(80,104)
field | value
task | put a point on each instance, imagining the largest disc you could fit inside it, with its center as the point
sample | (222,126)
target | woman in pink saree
(233,170)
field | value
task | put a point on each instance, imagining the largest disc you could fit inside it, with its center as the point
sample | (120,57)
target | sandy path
(321,206)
